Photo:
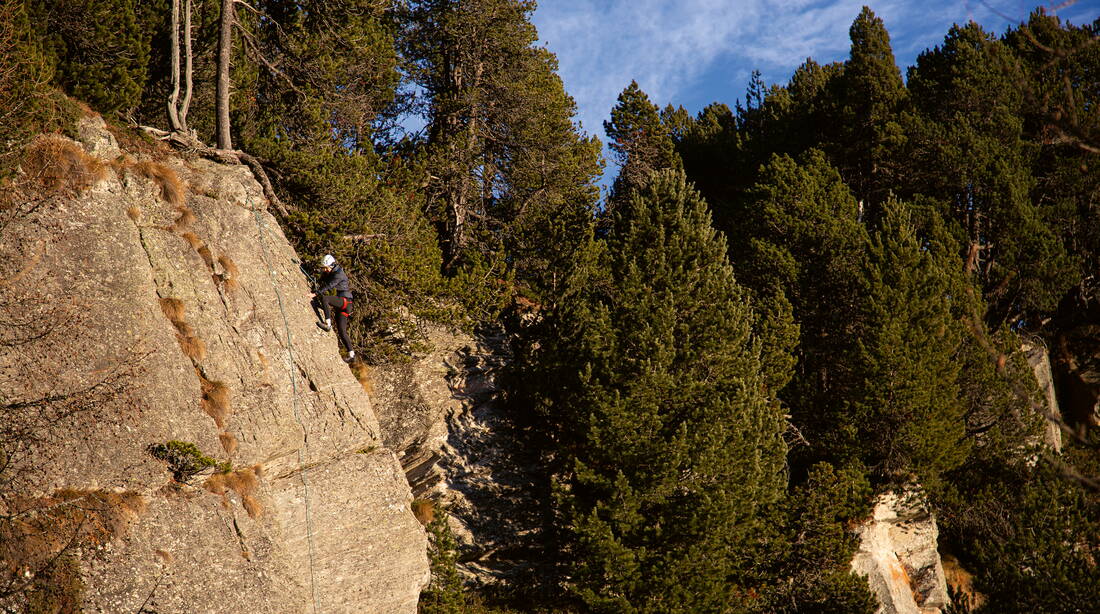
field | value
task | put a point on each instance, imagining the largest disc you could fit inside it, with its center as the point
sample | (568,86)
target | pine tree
(907,415)
(668,445)
(546,176)
(101,49)
(797,235)
(970,154)
(868,96)
(27,98)
(807,563)
(1064,122)
(1031,537)
(508,171)
(639,142)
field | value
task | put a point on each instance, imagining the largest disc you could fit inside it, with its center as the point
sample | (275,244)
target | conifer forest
(773,312)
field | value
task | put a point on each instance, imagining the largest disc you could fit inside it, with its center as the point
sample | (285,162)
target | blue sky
(694,52)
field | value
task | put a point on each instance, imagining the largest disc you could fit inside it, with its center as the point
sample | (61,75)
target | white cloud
(666,45)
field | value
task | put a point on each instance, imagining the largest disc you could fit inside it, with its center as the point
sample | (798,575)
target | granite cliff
(190,440)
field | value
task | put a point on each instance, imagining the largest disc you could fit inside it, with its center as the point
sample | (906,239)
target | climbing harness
(304,448)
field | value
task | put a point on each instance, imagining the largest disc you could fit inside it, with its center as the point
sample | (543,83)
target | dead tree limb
(364,237)
(265,183)
(188,142)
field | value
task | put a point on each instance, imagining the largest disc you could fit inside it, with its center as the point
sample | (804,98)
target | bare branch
(259,56)
(261,176)
(364,237)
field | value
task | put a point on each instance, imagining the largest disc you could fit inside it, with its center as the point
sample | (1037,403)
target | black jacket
(338,280)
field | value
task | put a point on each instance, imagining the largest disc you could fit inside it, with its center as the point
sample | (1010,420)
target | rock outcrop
(898,555)
(1039,360)
(180,308)
(442,415)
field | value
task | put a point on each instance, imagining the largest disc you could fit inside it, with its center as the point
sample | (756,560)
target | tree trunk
(187,56)
(173,100)
(225,53)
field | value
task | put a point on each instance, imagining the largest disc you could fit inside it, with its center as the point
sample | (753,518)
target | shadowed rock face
(459,448)
(196,312)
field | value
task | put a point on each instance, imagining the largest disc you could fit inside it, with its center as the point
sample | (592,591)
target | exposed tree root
(189,142)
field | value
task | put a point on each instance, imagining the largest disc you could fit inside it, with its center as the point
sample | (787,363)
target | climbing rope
(303,450)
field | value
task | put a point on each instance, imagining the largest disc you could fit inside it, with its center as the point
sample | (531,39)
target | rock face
(441,414)
(898,555)
(181,292)
(1039,359)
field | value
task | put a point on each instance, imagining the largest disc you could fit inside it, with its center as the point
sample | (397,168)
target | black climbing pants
(342,307)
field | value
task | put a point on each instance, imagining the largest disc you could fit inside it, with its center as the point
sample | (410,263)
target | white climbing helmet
(328,261)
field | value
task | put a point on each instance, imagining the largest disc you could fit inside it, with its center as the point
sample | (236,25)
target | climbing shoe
(350,357)
(325,326)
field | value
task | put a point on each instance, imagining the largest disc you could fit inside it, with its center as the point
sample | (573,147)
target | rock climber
(334,278)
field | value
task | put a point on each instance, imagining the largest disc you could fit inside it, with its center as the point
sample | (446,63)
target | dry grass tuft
(228,265)
(252,506)
(199,246)
(230,273)
(184,329)
(216,483)
(173,309)
(362,373)
(193,347)
(207,257)
(424,510)
(229,443)
(171,188)
(960,584)
(134,213)
(185,219)
(58,164)
(193,240)
(244,482)
(215,401)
